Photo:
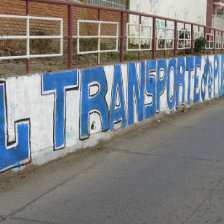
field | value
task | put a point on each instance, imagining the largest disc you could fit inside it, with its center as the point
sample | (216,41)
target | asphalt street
(167,172)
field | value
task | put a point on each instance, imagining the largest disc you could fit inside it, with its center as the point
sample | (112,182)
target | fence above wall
(148,40)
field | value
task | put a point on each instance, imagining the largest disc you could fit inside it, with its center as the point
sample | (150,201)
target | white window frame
(98,36)
(218,41)
(29,37)
(208,46)
(107,3)
(184,39)
(165,39)
(139,37)
(198,34)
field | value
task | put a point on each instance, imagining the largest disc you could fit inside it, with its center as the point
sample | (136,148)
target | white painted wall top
(187,10)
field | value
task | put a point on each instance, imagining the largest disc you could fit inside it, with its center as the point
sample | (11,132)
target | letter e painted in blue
(58,83)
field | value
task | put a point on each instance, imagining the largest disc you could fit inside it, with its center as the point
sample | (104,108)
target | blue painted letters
(161,82)
(117,112)
(57,83)
(150,89)
(138,88)
(93,103)
(20,153)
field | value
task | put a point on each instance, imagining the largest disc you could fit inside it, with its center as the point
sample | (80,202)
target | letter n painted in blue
(180,80)
(20,153)
(161,82)
(150,89)
(133,86)
(93,103)
(117,112)
(58,83)
(196,80)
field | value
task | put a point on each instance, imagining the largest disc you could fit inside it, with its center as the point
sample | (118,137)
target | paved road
(166,173)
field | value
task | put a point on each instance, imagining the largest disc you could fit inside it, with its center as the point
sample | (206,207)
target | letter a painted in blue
(117,114)
(14,156)
(196,80)
(172,65)
(96,103)
(189,68)
(57,83)
(161,83)
(180,80)
(150,89)
(133,85)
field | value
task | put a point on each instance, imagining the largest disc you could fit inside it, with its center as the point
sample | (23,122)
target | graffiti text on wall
(132,93)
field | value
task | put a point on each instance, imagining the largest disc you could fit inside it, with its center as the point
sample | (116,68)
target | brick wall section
(39,27)
(210,12)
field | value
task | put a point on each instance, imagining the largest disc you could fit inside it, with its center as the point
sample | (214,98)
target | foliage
(130,57)
(200,44)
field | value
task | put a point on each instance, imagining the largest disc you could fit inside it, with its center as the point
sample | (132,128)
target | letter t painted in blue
(57,83)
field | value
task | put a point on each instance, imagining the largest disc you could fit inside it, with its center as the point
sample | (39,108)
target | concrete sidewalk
(170,172)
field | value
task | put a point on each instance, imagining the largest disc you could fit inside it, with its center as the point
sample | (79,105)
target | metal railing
(153,42)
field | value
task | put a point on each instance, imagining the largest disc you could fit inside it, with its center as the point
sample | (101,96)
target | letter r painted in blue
(58,83)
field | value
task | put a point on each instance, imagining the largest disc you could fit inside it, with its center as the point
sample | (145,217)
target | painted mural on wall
(46,116)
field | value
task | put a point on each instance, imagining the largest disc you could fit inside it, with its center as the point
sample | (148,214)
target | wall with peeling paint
(46,116)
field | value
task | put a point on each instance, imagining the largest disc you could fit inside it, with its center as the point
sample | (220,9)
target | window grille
(218,41)
(184,39)
(98,36)
(210,39)
(120,4)
(165,38)
(141,40)
(28,37)
(198,34)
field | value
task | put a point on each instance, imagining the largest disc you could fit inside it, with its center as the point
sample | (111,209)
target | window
(210,40)
(120,4)
(184,39)
(165,38)
(139,37)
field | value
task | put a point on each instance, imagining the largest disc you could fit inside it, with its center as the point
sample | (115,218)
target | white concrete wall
(50,115)
(218,21)
(187,10)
